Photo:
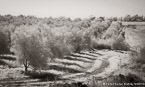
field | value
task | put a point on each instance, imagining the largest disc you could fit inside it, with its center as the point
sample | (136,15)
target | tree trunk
(26,65)
(26,69)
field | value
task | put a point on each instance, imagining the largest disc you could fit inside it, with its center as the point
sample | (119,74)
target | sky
(72,8)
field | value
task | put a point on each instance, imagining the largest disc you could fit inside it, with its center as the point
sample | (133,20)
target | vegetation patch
(59,68)
(43,76)
(119,80)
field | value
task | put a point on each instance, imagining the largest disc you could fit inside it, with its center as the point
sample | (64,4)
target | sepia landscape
(62,51)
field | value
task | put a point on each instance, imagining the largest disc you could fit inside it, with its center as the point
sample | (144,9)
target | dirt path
(107,63)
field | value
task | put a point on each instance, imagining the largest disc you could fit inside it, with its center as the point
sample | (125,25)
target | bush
(103,44)
(4,43)
(138,59)
(141,57)
(113,31)
(44,76)
(119,45)
(77,41)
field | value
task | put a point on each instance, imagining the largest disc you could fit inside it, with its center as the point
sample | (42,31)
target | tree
(59,42)
(4,45)
(127,18)
(29,47)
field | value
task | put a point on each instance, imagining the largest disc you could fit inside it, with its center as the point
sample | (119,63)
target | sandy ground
(115,59)
(104,64)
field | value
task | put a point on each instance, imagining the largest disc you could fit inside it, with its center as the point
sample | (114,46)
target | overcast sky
(72,8)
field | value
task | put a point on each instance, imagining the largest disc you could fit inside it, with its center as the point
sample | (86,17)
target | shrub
(42,76)
(119,45)
(103,44)
(113,31)
(77,40)
(4,43)
(141,58)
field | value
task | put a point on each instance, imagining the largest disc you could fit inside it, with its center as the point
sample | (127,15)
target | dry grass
(11,73)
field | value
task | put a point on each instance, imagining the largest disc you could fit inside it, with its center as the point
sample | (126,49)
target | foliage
(142,58)
(119,44)
(43,76)
(99,28)
(113,31)
(4,45)
(134,18)
(57,37)
(139,57)
(29,47)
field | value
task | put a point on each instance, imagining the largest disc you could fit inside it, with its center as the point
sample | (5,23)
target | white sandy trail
(95,66)
(115,63)
(115,59)
(56,72)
